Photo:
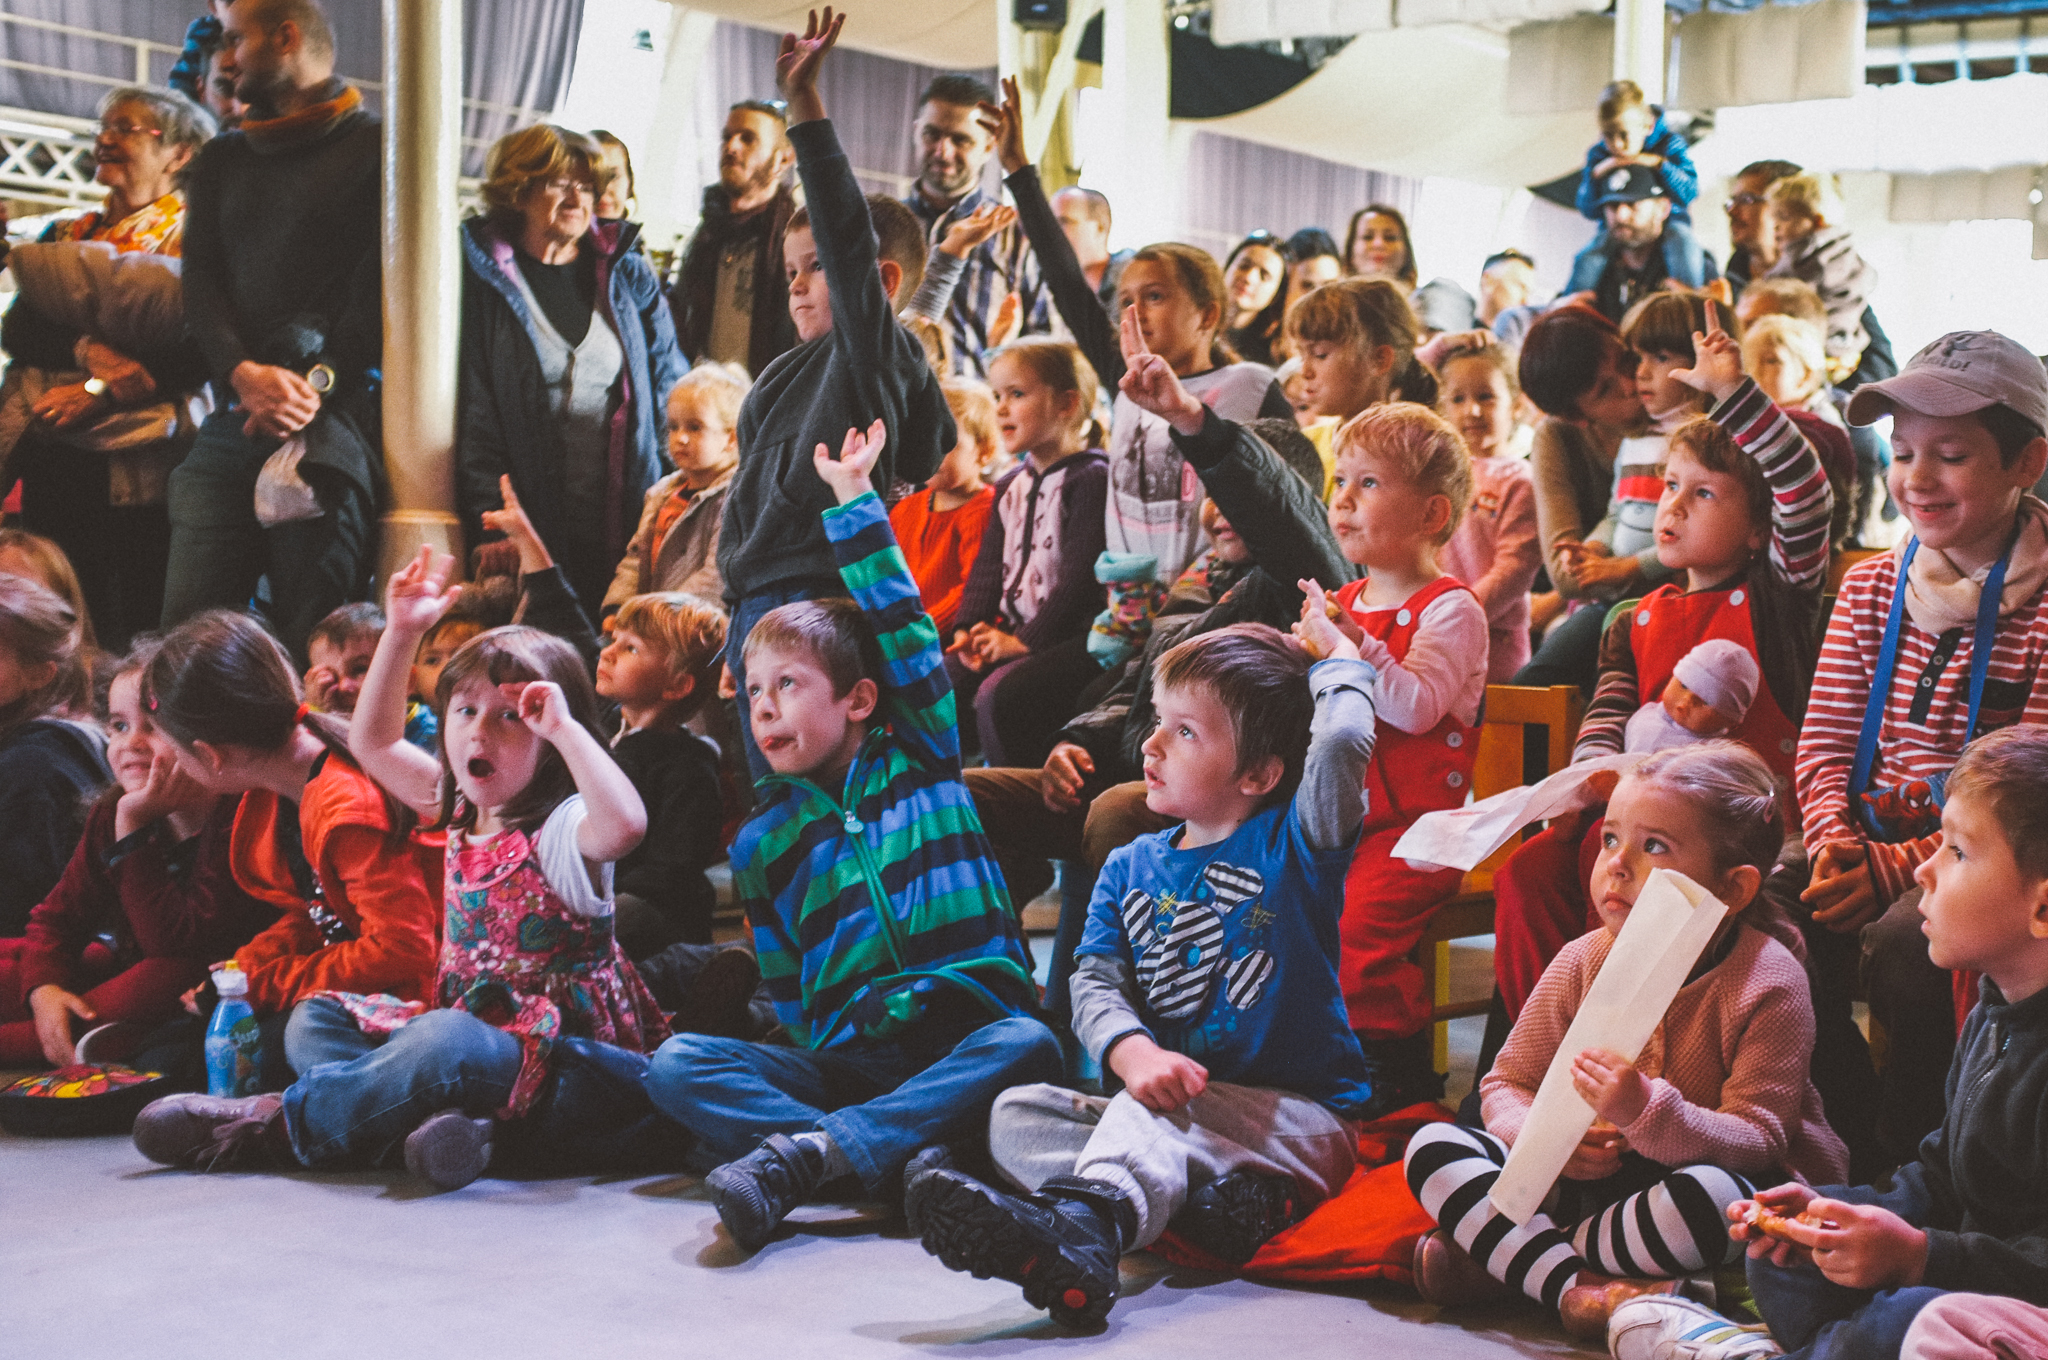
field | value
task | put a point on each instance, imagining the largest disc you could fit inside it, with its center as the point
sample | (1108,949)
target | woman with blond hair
(568,355)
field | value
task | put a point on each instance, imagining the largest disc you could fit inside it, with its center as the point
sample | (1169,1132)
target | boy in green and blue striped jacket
(884,932)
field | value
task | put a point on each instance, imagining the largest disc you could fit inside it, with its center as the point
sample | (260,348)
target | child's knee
(1025,1047)
(1433,1147)
(681,1067)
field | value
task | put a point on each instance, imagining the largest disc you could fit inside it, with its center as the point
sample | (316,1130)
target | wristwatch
(95,387)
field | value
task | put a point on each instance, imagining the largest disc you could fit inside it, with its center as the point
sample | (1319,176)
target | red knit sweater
(1728,1065)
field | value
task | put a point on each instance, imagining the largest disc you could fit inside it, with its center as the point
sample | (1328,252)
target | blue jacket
(504,424)
(1679,174)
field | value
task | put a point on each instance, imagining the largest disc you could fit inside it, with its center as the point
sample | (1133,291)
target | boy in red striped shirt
(1948,657)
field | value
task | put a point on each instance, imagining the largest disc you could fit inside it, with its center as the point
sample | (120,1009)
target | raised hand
(518,530)
(850,475)
(1009,319)
(970,231)
(1317,630)
(419,594)
(542,707)
(1716,359)
(1153,385)
(1005,123)
(796,65)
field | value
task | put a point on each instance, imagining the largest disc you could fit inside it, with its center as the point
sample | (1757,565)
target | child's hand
(1716,359)
(796,65)
(1611,1085)
(1150,383)
(850,475)
(1157,1078)
(1066,773)
(1318,631)
(1009,319)
(1786,1201)
(1842,893)
(319,683)
(1866,1248)
(1595,571)
(518,530)
(1598,1154)
(52,1008)
(167,790)
(993,647)
(416,598)
(970,231)
(1004,123)
(728,688)
(542,707)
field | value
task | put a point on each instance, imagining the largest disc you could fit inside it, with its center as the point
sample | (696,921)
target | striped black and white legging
(1646,1220)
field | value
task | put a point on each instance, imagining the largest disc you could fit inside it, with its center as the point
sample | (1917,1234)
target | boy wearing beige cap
(1938,641)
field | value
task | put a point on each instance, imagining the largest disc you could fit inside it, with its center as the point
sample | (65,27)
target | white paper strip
(1462,838)
(1670,924)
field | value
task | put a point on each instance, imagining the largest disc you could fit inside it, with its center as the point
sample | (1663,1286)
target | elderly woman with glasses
(568,353)
(105,424)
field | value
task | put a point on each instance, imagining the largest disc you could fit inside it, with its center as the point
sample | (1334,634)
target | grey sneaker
(450,1150)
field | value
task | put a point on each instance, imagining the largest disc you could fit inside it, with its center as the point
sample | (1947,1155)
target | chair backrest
(1845,559)
(1510,711)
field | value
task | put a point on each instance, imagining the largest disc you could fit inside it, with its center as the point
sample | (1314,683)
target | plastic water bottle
(233,1043)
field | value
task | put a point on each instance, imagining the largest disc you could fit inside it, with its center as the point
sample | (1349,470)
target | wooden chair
(1845,559)
(1510,709)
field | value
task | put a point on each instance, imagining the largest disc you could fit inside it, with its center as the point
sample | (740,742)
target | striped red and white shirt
(1923,731)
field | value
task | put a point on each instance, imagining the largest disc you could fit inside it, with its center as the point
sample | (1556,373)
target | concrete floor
(107,1256)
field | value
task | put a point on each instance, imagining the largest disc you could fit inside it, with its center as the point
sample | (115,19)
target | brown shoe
(207,1133)
(1592,1299)
(1447,1276)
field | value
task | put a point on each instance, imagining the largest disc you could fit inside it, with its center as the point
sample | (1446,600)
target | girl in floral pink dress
(536,812)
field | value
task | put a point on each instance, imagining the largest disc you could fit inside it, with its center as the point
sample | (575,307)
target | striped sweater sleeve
(917,698)
(1801,501)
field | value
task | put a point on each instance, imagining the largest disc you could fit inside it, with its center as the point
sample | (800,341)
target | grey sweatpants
(1038,1132)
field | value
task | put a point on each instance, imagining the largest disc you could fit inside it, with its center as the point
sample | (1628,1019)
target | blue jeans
(879,1101)
(358,1095)
(1814,1318)
(745,615)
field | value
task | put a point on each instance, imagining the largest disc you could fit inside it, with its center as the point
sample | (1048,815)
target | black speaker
(1050,15)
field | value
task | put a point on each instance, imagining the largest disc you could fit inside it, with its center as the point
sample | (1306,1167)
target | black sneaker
(755,1193)
(1061,1245)
(1233,1216)
(1403,1072)
(450,1150)
(937,1157)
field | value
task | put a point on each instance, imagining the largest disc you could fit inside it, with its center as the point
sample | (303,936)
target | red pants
(146,993)
(1387,906)
(1542,900)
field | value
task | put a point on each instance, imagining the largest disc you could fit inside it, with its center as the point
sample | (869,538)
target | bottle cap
(231,981)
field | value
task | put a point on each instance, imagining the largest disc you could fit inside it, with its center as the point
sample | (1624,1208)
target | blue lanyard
(1888,659)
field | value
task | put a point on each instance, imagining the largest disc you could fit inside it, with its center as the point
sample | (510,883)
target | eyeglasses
(126,130)
(571,187)
(1743,201)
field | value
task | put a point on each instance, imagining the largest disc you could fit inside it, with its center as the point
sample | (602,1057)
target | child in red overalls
(1403,479)
(1744,516)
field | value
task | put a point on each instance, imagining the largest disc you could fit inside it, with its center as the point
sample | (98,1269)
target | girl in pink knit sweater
(1718,1101)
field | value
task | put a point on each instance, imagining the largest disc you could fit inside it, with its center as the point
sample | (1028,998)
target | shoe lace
(240,1142)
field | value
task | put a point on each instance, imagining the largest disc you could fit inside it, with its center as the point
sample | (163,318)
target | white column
(669,162)
(422,273)
(1144,157)
(1640,46)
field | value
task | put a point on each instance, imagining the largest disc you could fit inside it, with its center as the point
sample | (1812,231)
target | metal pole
(422,274)
(1639,45)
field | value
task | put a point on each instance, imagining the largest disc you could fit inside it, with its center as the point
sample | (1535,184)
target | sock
(829,1154)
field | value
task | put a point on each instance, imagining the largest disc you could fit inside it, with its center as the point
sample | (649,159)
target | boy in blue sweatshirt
(848,259)
(1633,132)
(1206,981)
(884,935)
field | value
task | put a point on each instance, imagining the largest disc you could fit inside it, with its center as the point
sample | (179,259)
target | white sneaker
(1671,1327)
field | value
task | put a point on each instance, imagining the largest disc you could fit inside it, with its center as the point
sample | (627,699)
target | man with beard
(1638,256)
(952,148)
(731,299)
(283,297)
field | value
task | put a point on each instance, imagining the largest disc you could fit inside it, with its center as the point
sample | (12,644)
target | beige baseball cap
(1964,371)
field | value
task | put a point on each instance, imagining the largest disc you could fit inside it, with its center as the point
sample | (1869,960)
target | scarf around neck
(308,124)
(1939,596)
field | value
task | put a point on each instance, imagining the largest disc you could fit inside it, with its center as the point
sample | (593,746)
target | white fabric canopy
(955,34)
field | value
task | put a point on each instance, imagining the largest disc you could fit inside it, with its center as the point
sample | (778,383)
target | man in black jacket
(283,296)
(731,299)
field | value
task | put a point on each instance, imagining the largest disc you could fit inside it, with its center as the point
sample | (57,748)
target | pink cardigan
(1496,551)
(1728,1065)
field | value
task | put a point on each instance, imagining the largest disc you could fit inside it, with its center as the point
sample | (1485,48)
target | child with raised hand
(851,260)
(1174,305)
(675,548)
(1403,481)
(148,900)
(1846,1269)
(536,812)
(1495,550)
(878,914)
(940,529)
(1207,985)
(1717,1101)
(1019,652)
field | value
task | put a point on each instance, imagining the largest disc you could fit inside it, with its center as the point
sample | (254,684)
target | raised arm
(1278,515)
(419,594)
(614,819)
